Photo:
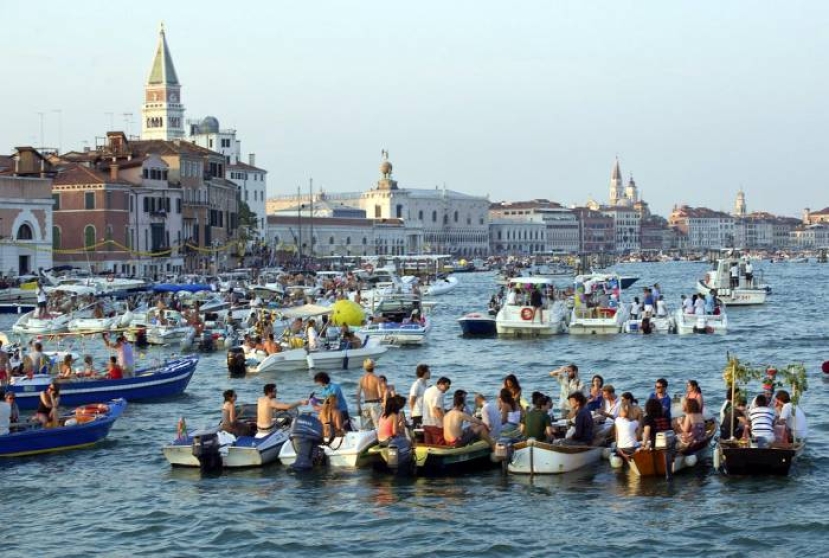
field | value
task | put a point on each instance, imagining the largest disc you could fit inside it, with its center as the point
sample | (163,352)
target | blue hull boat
(167,380)
(83,428)
(477,324)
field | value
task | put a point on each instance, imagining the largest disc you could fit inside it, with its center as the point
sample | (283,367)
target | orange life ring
(91,410)
(527,314)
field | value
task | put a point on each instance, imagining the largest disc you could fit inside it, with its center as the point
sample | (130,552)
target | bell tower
(162,116)
(616,187)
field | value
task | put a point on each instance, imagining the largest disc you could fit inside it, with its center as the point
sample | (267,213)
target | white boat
(605,312)
(171,327)
(520,319)
(693,323)
(300,359)
(400,334)
(539,458)
(659,324)
(747,293)
(441,286)
(30,324)
(349,451)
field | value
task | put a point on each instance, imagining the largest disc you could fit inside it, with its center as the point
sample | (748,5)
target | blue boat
(175,287)
(166,380)
(477,324)
(82,428)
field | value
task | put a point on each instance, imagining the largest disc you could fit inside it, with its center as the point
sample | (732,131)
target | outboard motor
(306,437)
(206,450)
(236,362)
(206,344)
(141,338)
(503,452)
(399,455)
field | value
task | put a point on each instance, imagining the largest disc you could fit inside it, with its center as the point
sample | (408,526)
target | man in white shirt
(433,411)
(416,394)
(311,336)
(793,417)
(490,414)
(610,407)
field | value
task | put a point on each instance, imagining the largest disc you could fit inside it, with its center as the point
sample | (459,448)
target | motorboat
(476,324)
(295,360)
(598,308)
(701,323)
(534,457)
(441,286)
(163,326)
(88,323)
(399,334)
(519,317)
(657,324)
(235,451)
(748,292)
(348,451)
(83,427)
(31,323)
(162,381)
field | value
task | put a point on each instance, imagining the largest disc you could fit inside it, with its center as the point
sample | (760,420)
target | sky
(514,100)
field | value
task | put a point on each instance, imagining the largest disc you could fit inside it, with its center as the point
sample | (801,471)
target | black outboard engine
(399,455)
(236,362)
(306,437)
(141,338)
(206,450)
(206,344)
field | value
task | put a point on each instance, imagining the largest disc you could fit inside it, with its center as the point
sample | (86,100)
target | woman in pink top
(389,424)
(693,391)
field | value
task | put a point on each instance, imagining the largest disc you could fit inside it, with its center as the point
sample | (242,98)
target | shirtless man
(453,431)
(370,386)
(271,346)
(267,404)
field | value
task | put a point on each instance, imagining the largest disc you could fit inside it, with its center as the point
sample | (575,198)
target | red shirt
(115,372)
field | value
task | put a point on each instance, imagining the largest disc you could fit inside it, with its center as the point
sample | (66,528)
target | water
(121,498)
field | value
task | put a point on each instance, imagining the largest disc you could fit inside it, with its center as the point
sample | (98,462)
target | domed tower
(616,187)
(740,204)
(631,194)
(386,182)
(162,116)
(209,125)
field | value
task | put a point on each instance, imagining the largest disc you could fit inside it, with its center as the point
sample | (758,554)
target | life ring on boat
(527,314)
(91,410)
(825,367)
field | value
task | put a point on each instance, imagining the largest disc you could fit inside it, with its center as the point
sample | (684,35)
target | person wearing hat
(369,386)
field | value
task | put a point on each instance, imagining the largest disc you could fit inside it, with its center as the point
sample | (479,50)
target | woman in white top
(511,412)
(626,430)
(661,309)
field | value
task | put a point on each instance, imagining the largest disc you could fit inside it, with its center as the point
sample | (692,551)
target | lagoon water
(121,498)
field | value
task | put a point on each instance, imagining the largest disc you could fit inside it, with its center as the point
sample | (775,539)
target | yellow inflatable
(347,312)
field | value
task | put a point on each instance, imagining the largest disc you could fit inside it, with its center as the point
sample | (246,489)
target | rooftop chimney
(113,171)
(252,159)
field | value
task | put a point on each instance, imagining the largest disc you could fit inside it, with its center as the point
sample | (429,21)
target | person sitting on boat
(433,411)
(537,423)
(5,414)
(733,412)
(661,395)
(490,413)
(636,412)
(793,417)
(627,429)
(66,367)
(267,404)
(693,391)
(311,336)
(98,311)
(123,348)
(691,428)
(511,383)
(88,371)
(271,346)
(341,420)
(594,397)
(48,403)
(114,370)
(454,432)
(655,421)
(568,378)
(582,431)
(348,340)
(610,407)
(230,420)
(761,418)
(511,414)
(369,385)
(11,399)
(391,422)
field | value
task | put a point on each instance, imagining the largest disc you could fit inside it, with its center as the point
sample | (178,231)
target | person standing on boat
(5,414)
(710,298)
(369,385)
(433,411)
(267,404)
(41,301)
(123,348)
(40,364)
(537,303)
(661,395)
(311,335)
(341,421)
(416,394)
(635,306)
(749,269)
(735,274)
(568,379)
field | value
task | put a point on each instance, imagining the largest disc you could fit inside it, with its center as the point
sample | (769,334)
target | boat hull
(745,460)
(350,451)
(738,296)
(430,459)
(244,452)
(169,380)
(538,458)
(298,359)
(45,440)
(478,325)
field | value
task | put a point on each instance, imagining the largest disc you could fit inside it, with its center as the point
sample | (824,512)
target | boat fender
(825,367)
(690,460)
(526,314)
(607,453)
(717,459)
(616,462)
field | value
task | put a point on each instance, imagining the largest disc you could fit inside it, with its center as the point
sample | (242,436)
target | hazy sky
(512,99)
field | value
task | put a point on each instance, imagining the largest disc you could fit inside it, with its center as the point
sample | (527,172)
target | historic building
(627,210)
(162,116)
(26,213)
(596,231)
(815,217)
(703,227)
(335,236)
(532,226)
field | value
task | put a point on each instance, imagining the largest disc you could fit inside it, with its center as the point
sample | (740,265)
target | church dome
(210,125)
(385,168)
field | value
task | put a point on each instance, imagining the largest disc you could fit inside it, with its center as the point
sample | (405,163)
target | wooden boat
(432,459)
(740,457)
(166,380)
(533,457)
(83,427)
(666,461)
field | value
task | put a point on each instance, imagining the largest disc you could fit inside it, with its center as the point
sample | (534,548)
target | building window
(109,237)
(56,202)
(56,238)
(434,216)
(331,241)
(89,237)
(398,211)
(24,232)
(348,240)
(420,215)
(378,211)
(178,205)
(365,241)
(456,216)
(89,200)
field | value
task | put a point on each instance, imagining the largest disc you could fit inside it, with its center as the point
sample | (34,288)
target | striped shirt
(762,422)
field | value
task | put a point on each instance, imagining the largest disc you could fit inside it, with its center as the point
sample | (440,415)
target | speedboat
(163,327)
(704,323)
(166,380)
(520,319)
(235,451)
(602,312)
(746,293)
(83,427)
(441,286)
(658,324)
(31,324)
(477,324)
(400,334)
(350,450)
(294,360)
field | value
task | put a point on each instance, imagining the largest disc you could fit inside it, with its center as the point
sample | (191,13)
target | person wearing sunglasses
(661,394)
